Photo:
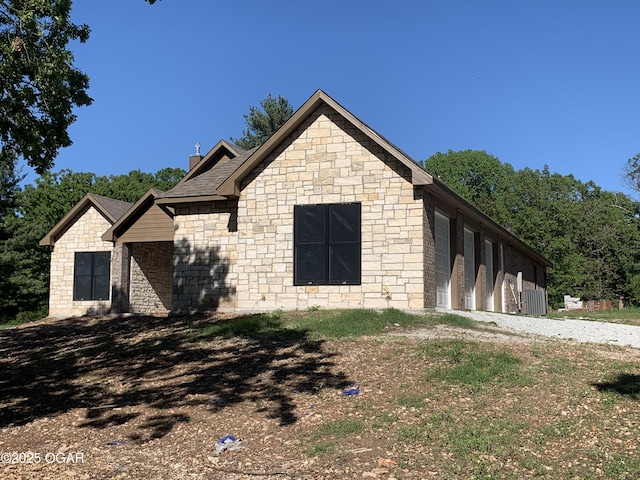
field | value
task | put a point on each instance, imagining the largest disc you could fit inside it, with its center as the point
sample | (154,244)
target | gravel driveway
(578,330)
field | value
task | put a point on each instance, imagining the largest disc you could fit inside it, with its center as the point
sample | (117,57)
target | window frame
(97,284)
(327,244)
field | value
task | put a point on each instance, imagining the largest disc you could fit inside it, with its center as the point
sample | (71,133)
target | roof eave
(421,178)
(191,199)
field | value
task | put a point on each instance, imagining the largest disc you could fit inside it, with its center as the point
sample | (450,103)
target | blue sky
(537,82)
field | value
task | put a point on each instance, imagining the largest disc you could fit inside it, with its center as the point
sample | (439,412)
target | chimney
(195,159)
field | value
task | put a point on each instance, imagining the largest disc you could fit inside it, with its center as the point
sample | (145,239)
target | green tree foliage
(9,188)
(261,124)
(631,173)
(24,265)
(39,85)
(591,236)
(475,175)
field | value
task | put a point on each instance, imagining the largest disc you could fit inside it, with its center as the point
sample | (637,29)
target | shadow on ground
(101,364)
(625,384)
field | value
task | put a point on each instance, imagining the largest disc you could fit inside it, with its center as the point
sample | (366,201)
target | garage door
(443,262)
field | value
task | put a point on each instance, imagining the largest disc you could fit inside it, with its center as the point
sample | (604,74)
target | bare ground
(144,397)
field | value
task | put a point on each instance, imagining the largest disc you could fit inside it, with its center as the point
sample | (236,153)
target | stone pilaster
(457,280)
(429,251)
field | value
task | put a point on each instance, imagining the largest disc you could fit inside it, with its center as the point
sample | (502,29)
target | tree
(9,188)
(261,124)
(477,176)
(631,173)
(39,85)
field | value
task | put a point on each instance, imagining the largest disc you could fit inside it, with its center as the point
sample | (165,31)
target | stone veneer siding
(246,248)
(151,277)
(205,256)
(327,160)
(83,235)
(457,275)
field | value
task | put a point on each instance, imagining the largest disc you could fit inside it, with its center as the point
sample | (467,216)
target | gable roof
(210,159)
(231,186)
(132,214)
(111,209)
(222,180)
(204,187)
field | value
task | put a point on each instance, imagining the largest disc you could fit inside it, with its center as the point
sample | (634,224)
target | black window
(91,275)
(327,244)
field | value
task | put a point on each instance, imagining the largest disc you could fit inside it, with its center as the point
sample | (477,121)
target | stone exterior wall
(151,277)
(205,256)
(82,235)
(327,160)
(240,254)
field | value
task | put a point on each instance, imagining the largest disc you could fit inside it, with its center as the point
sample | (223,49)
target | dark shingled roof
(207,183)
(116,208)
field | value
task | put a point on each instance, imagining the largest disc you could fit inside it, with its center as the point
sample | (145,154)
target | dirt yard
(147,398)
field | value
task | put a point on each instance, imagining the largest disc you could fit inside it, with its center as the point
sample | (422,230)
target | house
(326,213)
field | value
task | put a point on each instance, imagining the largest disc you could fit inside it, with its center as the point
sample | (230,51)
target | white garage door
(443,262)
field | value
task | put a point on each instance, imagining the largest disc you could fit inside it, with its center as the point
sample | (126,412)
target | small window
(91,275)
(327,244)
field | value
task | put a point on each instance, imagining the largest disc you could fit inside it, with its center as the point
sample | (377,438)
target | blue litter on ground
(227,444)
(352,391)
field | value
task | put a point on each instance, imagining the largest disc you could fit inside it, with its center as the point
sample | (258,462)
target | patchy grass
(336,324)
(246,326)
(325,324)
(470,364)
(321,448)
(340,428)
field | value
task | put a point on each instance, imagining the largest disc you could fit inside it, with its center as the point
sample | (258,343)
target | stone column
(457,276)
(429,251)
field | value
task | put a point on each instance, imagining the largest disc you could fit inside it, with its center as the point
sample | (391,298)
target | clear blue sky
(532,82)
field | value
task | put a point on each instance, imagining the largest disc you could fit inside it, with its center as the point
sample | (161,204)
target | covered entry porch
(142,261)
